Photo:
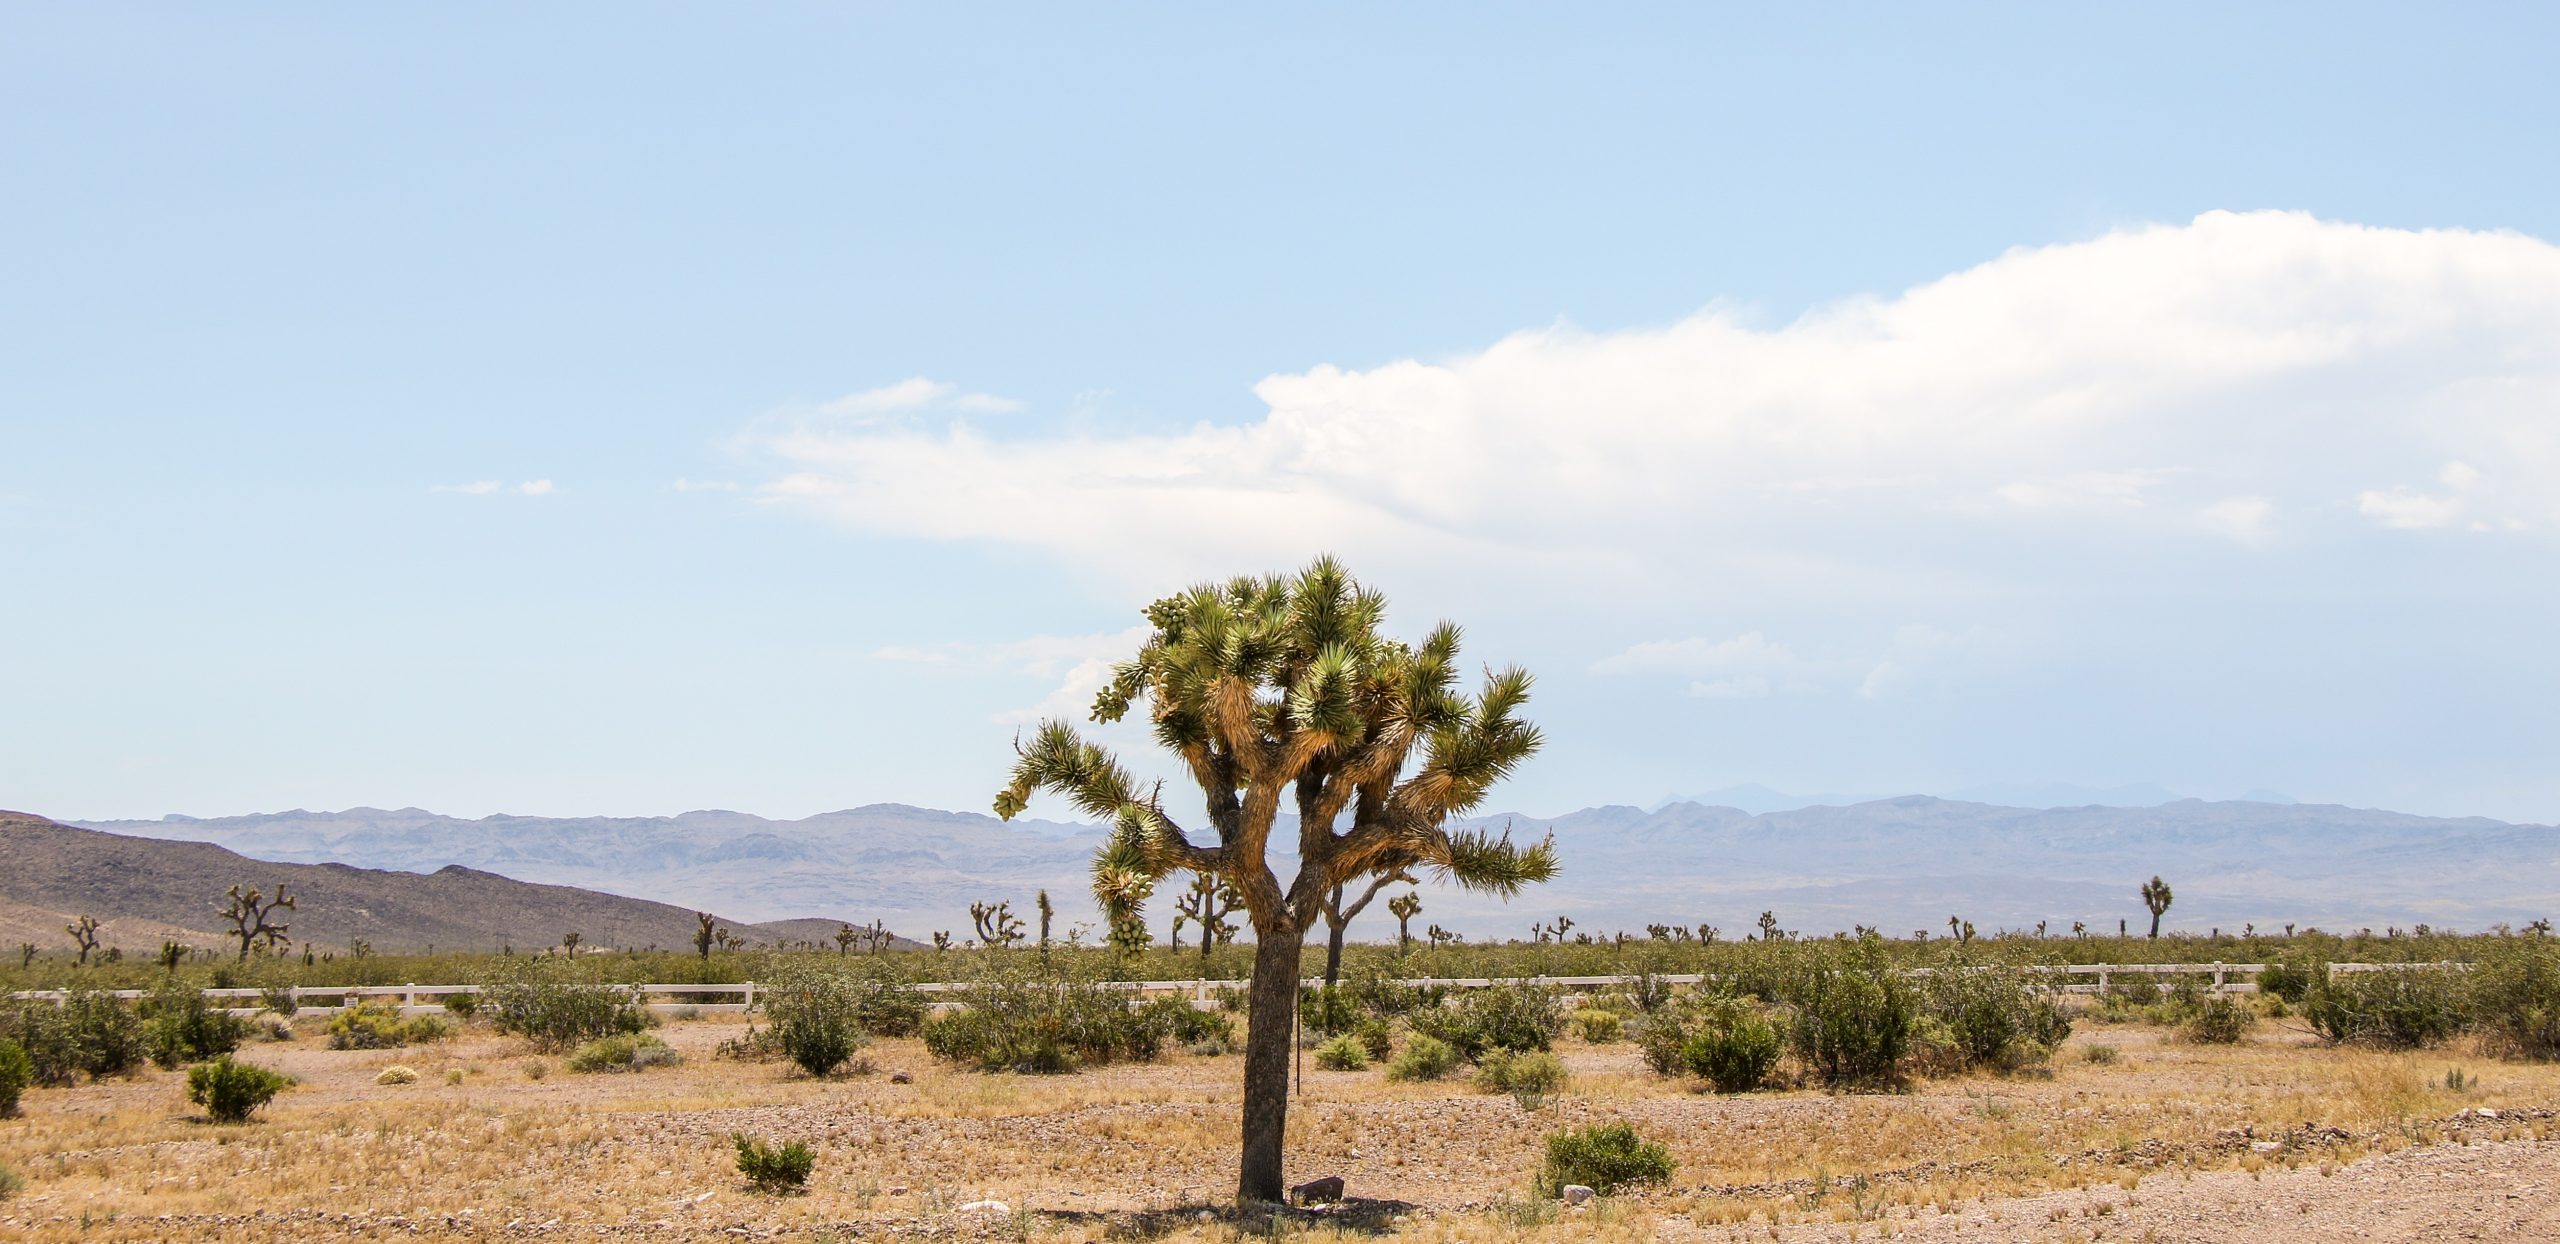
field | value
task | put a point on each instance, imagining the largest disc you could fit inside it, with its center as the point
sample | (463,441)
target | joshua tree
(569,944)
(942,939)
(84,934)
(171,955)
(1211,903)
(1047,912)
(704,934)
(1404,907)
(1281,692)
(997,925)
(1337,916)
(248,912)
(26,955)
(1769,930)
(2156,896)
(876,936)
(845,937)
(1125,911)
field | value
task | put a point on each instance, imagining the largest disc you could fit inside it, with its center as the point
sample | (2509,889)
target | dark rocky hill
(49,870)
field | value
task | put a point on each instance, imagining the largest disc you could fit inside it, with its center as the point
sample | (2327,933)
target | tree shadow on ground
(1359,1215)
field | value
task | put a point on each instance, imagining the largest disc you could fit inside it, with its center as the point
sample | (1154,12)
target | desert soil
(2278,1138)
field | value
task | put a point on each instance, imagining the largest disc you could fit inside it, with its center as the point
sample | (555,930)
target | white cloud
(2409,510)
(2169,384)
(1747,666)
(1077,665)
(1920,653)
(534,488)
(1752,666)
(2249,520)
(914,394)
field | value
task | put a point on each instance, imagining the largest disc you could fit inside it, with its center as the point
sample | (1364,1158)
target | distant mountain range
(1754,798)
(143,891)
(1900,864)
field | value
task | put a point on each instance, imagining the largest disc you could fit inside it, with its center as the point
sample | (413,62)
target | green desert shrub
(381,1026)
(89,1033)
(2130,994)
(1529,1077)
(2515,997)
(1604,1157)
(1045,1021)
(281,1001)
(541,1004)
(1852,1012)
(232,1091)
(1424,1057)
(1374,1035)
(1186,1025)
(1996,1016)
(624,1053)
(2398,1008)
(1343,1053)
(773,1168)
(17,1071)
(11,1183)
(1733,1047)
(1517,1016)
(1597,1026)
(181,1027)
(2290,977)
(2221,1020)
(817,1018)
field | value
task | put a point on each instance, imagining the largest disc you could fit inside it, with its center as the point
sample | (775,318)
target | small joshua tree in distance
(1404,907)
(250,914)
(2156,896)
(703,934)
(84,934)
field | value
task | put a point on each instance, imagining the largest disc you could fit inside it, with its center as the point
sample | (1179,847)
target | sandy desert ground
(2170,1141)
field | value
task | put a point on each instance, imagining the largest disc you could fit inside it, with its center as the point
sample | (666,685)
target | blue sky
(626,410)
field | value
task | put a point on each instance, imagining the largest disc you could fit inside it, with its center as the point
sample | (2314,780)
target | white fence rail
(428,999)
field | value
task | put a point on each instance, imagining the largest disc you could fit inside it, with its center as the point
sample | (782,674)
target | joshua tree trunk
(1270,1026)
(2155,924)
(1333,948)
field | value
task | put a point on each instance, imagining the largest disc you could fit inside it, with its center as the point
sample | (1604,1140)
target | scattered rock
(900,1077)
(2266,1146)
(896,1190)
(1576,1194)
(1323,1191)
(986,1207)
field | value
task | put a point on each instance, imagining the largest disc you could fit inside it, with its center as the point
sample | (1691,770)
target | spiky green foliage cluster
(1281,690)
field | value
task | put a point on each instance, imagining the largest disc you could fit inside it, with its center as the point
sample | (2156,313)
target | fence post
(410,999)
(2217,976)
(2102,980)
(751,997)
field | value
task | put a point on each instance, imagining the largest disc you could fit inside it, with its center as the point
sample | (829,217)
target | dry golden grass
(1138,1150)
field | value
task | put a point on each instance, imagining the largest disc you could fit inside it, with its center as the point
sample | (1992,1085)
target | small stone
(1323,1191)
(986,1207)
(2487,1114)
(1206,1215)
(900,1077)
(1576,1194)
(897,1190)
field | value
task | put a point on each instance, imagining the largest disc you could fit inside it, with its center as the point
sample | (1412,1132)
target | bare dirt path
(2497,1190)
